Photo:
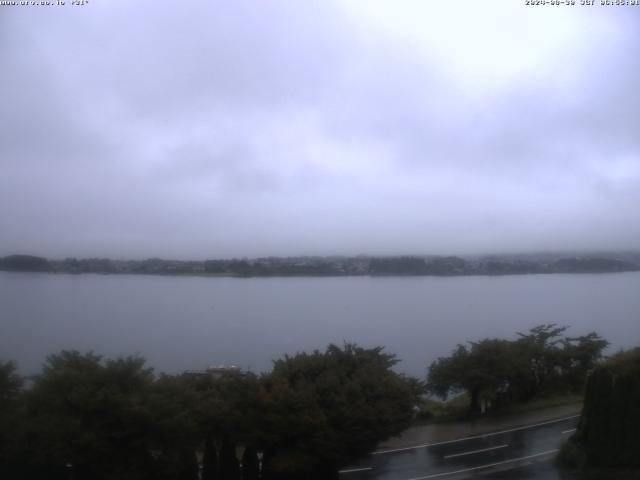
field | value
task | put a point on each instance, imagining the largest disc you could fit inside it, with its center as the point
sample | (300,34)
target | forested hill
(336,265)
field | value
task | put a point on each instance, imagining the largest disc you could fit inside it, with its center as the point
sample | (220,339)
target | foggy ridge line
(332,266)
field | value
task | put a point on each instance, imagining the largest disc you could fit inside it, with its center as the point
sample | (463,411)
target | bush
(571,456)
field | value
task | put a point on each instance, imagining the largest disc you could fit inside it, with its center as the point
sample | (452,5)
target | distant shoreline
(343,266)
(310,275)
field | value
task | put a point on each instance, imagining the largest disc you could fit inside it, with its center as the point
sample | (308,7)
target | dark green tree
(498,372)
(229,465)
(250,465)
(326,409)
(582,354)
(210,460)
(228,407)
(90,416)
(176,464)
(608,434)
(541,349)
(482,370)
(10,384)
(188,465)
(176,434)
(12,436)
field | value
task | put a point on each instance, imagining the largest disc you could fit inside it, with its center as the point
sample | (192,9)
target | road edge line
(473,437)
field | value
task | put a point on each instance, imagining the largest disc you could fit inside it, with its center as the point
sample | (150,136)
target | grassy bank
(457,409)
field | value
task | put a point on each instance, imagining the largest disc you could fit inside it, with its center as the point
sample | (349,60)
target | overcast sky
(206,129)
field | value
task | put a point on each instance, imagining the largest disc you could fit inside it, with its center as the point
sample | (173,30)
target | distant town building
(216,371)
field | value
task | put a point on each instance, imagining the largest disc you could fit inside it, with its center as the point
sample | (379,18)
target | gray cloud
(243,128)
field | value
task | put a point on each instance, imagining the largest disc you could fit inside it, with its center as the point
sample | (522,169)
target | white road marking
(568,431)
(475,451)
(474,437)
(489,465)
(353,470)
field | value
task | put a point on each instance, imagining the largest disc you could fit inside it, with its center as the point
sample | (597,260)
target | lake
(181,323)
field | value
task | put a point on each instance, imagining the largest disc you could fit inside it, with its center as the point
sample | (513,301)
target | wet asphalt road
(522,453)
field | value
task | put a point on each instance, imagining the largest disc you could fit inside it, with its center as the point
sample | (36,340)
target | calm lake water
(181,323)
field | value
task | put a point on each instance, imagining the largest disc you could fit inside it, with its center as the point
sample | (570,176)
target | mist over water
(181,323)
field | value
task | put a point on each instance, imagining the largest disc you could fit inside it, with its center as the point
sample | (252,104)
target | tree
(227,411)
(92,416)
(210,460)
(250,464)
(173,404)
(10,384)
(229,465)
(502,371)
(483,371)
(326,409)
(11,421)
(608,434)
(585,351)
(540,349)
